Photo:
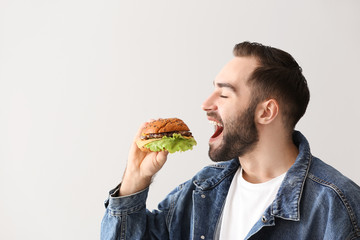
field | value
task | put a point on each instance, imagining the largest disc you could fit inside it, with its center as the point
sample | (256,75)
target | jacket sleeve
(127,217)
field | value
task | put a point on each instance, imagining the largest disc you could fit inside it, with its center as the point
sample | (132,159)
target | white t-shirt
(245,204)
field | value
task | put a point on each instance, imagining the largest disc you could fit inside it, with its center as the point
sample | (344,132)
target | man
(265,185)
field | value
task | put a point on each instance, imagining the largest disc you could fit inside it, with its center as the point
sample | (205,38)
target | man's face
(231,110)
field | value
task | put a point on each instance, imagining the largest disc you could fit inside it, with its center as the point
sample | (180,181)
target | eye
(223,96)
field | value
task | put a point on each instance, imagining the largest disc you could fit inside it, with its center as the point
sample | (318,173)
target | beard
(240,136)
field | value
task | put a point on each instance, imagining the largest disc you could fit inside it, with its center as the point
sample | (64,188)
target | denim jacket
(314,201)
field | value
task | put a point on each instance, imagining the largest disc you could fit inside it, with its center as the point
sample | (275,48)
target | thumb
(161,158)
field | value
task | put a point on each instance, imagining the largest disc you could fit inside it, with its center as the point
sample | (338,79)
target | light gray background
(78,77)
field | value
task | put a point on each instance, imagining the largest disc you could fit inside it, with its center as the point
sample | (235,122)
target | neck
(273,155)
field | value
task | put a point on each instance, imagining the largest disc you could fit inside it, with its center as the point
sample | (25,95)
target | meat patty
(167,134)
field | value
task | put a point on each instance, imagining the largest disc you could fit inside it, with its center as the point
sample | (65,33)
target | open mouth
(218,128)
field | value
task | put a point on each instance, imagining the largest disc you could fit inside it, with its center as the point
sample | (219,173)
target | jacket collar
(227,168)
(287,201)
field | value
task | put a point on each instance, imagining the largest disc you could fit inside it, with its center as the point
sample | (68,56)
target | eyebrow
(225,85)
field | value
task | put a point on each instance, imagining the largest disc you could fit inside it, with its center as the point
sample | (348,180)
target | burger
(170,134)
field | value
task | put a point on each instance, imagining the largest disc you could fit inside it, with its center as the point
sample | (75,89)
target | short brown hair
(278,76)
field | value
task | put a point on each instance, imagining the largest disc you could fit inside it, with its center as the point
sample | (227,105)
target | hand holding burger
(155,139)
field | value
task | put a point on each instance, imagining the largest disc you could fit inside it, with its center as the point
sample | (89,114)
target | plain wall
(78,77)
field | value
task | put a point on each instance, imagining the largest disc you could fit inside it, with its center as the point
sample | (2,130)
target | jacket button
(263,219)
(203,196)
(202,237)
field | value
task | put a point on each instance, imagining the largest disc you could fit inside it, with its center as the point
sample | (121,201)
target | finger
(138,134)
(134,148)
(161,157)
(140,129)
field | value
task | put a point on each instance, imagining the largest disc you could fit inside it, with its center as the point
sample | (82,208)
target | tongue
(218,131)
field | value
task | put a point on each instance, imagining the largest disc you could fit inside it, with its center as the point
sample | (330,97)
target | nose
(209,104)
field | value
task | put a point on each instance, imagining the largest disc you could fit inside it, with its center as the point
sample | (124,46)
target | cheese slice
(142,143)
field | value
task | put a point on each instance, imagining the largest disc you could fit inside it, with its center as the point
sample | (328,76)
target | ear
(267,111)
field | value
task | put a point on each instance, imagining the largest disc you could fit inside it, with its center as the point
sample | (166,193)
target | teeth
(215,123)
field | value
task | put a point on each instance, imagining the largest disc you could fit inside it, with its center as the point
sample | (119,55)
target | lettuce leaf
(172,144)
